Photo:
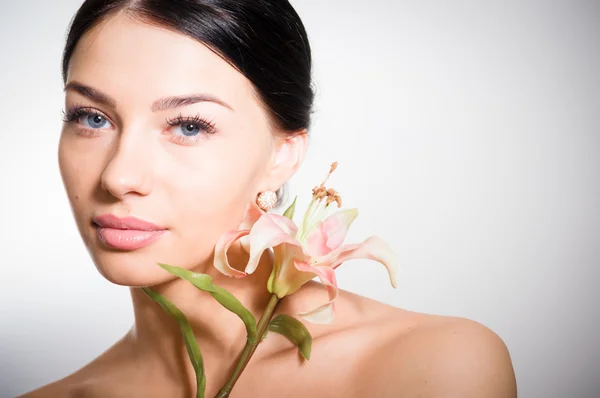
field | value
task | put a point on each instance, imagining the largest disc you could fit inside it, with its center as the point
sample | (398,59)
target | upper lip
(112,221)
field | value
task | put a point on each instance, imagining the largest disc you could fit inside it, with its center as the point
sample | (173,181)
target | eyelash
(74,112)
(205,127)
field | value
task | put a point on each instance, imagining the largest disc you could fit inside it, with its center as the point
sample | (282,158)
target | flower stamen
(319,207)
(330,195)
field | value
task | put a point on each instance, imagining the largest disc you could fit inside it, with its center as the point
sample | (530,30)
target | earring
(267,200)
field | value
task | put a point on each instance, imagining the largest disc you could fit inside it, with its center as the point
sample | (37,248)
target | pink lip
(127,233)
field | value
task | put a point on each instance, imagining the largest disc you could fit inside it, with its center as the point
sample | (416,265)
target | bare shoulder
(439,356)
(42,392)
(59,389)
(80,383)
(413,354)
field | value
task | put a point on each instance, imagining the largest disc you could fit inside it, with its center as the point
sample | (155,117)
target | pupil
(190,129)
(95,121)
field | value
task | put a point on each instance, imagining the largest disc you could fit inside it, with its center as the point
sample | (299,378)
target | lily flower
(314,248)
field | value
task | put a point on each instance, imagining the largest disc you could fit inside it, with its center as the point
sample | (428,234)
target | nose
(129,170)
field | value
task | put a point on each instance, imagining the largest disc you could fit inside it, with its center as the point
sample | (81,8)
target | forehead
(133,60)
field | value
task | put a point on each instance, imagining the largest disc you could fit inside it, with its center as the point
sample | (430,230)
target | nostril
(129,169)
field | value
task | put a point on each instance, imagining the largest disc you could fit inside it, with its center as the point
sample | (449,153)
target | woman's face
(167,132)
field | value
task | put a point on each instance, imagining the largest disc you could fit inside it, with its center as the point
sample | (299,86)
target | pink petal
(251,215)
(324,313)
(285,224)
(287,279)
(269,231)
(330,233)
(373,248)
(221,262)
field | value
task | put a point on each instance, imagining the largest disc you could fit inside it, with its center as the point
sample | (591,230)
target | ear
(287,158)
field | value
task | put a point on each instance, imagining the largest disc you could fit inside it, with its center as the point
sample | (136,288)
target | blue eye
(95,121)
(89,121)
(189,129)
(184,130)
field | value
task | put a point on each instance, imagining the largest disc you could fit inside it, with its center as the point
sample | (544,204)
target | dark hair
(264,39)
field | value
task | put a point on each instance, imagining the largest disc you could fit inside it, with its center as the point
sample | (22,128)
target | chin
(139,268)
(130,269)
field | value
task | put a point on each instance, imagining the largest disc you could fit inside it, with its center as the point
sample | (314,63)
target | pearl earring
(267,200)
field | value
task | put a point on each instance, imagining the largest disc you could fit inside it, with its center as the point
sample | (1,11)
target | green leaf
(264,336)
(289,213)
(188,337)
(294,330)
(204,282)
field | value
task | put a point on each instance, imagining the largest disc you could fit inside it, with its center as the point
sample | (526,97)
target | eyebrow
(158,105)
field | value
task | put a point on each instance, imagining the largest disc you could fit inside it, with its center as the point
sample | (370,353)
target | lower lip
(127,239)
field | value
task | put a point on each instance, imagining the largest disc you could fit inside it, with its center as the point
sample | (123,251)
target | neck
(221,335)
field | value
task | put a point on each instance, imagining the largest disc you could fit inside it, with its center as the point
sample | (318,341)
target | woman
(178,114)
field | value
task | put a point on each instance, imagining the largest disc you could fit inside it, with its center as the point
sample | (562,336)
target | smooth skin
(125,159)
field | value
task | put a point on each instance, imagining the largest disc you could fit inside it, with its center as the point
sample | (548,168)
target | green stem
(249,349)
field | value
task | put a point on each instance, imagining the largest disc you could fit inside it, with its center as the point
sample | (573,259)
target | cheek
(68,171)
(78,176)
(211,196)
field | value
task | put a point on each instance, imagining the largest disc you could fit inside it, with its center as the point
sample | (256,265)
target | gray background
(468,136)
